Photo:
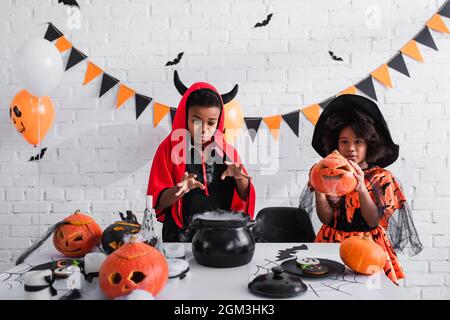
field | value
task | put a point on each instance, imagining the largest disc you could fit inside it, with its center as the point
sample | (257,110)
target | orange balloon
(234,119)
(31,119)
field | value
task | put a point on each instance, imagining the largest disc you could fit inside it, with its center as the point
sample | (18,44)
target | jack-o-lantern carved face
(112,237)
(31,116)
(135,265)
(333,175)
(78,236)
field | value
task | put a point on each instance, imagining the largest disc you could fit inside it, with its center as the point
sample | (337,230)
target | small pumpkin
(135,265)
(333,175)
(362,254)
(112,237)
(77,236)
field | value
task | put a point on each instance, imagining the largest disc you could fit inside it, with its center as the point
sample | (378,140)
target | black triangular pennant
(107,83)
(366,86)
(52,33)
(141,102)
(75,57)
(445,10)
(324,103)
(398,63)
(173,111)
(424,37)
(253,126)
(292,120)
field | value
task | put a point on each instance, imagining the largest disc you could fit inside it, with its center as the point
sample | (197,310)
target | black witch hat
(346,103)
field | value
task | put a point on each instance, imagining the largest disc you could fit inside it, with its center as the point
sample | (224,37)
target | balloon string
(39,164)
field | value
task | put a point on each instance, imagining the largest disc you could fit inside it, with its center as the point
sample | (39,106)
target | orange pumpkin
(78,236)
(333,175)
(362,254)
(135,265)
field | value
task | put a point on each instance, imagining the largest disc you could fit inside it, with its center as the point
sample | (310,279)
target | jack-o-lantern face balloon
(333,175)
(135,265)
(112,237)
(78,236)
(31,116)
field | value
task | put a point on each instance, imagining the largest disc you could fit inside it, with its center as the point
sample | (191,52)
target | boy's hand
(359,175)
(187,184)
(235,170)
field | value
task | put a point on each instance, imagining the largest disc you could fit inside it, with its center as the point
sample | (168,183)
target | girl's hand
(309,181)
(187,184)
(234,170)
(359,175)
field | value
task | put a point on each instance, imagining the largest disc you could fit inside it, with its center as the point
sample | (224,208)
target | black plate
(53,265)
(292,267)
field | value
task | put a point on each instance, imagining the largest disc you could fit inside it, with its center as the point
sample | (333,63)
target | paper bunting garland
(366,86)
(273,123)
(108,82)
(411,50)
(252,126)
(62,44)
(436,23)
(141,103)
(75,57)
(159,112)
(52,33)
(445,10)
(92,72)
(123,94)
(312,112)
(382,75)
(398,63)
(173,111)
(292,120)
(424,37)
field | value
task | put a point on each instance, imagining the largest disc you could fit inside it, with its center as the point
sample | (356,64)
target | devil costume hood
(169,164)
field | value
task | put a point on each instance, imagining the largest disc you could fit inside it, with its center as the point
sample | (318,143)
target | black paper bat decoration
(335,58)
(38,156)
(176,60)
(265,22)
(71,3)
(290,252)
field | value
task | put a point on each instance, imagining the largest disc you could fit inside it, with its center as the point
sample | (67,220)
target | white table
(204,283)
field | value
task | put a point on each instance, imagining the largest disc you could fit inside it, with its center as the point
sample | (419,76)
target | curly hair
(363,126)
(204,98)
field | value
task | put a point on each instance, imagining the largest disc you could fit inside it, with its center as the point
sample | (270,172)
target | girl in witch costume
(194,170)
(355,127)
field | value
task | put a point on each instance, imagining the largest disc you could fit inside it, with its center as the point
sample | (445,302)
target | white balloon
(39,66)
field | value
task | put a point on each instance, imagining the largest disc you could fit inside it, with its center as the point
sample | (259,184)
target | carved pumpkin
(77,236)
(112,237)
(333,175)
(362,254)
(135,265)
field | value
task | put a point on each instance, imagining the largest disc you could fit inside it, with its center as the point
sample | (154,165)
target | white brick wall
(98,157)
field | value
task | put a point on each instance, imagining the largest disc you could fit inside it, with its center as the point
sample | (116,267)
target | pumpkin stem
(77,211)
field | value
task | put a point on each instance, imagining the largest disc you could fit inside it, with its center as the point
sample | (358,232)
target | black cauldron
(223,239)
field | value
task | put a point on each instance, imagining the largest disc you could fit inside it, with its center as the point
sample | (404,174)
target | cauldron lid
(277,284)
(221,219)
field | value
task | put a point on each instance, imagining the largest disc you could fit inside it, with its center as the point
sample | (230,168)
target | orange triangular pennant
(62,44)
(436,23)
(382,75)
(273,123)
(123,94)
(159,111)
(349,90)
(312,113)
(411,49)
(92,72)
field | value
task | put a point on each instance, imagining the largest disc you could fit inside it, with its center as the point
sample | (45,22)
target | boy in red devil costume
(194,170)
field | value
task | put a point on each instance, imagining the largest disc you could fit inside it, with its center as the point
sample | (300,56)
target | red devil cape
(169,164)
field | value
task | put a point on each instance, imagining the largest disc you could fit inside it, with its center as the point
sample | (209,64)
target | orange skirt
(392,268)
